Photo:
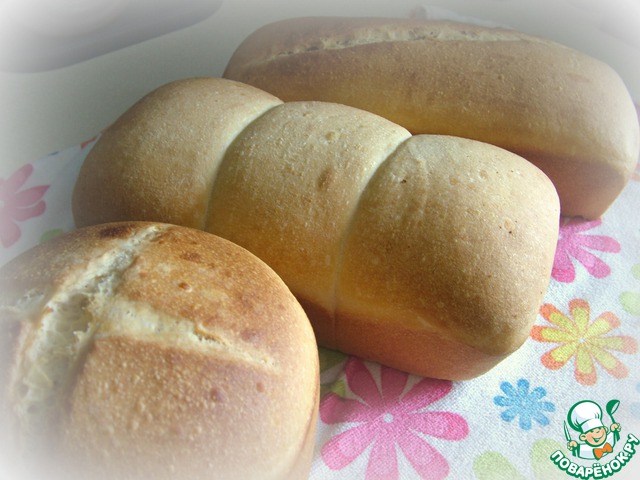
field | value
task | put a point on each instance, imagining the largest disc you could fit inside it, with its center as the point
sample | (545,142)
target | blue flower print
(520,402)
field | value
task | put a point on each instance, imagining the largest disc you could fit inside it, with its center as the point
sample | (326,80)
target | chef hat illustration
(585,416)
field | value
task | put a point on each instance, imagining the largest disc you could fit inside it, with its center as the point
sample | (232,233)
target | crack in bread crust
(63,330)
(137,320)
(145,347)
(328,37)
(61,324)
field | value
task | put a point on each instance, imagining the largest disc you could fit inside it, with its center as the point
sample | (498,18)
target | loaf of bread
(568,113)
(430,254)
(151,351)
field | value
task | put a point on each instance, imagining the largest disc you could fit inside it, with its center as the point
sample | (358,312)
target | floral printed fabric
(577,245)
(35,200)
(386,419)
(18,204)
(588,343)
(379,423)
(527,405)
(376,422)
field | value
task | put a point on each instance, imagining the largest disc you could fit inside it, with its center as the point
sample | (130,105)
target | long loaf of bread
(430,254)
(568,113)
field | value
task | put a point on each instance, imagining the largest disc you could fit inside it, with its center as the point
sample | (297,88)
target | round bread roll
(146,350)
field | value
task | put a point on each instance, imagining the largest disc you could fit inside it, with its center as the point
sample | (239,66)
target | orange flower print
(587,342)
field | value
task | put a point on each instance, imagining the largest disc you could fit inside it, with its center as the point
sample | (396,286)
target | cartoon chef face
(586,417)
(595,437)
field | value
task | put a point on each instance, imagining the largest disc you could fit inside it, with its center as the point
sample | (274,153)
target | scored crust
(155,351)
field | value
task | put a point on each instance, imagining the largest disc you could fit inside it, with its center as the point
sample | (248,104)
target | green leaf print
(543,467)
(495,466)
(631,300)
(328,360)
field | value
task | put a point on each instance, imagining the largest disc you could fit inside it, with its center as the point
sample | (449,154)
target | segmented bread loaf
(151,351)
(430,254)
(566,112)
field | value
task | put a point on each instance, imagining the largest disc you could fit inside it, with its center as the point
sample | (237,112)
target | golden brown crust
(197,360)
(203,124)
(449,222)
(463,247)
(300,188)
(566,112)
(448,358)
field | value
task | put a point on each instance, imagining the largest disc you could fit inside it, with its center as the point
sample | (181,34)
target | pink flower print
(385,418)
(18,206)
(574,243)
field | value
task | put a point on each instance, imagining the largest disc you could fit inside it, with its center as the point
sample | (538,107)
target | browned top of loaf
(565,111)
(312,34)
(173,132)
(201,359)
